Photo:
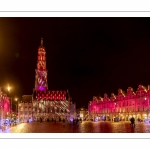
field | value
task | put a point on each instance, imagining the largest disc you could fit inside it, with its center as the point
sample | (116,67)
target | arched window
(53,110)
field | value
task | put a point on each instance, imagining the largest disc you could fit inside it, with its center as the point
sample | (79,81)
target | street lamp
(8,88)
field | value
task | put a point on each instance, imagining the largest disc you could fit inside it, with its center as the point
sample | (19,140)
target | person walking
(10,123)
(63,122)
(132,121)
(40,119)
(80,120)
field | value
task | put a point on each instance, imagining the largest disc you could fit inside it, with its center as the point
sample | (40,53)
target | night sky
(87,56)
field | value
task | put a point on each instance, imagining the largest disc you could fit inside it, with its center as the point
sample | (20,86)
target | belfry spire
(41,41)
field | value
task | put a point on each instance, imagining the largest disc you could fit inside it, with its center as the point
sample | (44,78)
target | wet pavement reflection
(84,127)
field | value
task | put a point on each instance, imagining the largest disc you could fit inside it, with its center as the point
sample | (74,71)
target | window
(129,103)
(120,104)
(35,108)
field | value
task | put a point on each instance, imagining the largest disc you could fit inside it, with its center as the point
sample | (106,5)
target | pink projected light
(41,72)
(122,105)
(41,85)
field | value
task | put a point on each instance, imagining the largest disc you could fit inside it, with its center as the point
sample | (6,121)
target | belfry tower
(41,72)
(49,104)
(43,103)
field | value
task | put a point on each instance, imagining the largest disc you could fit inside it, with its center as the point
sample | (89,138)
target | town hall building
(44,103)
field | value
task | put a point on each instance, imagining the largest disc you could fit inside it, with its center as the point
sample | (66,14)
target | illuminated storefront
(123,106)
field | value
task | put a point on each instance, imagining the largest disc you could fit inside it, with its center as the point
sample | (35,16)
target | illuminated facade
(123,106)
(82,113)
(72,110)
(49,104)
(4,106)
(25,108)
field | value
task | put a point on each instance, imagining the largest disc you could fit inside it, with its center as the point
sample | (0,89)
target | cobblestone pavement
(84,127)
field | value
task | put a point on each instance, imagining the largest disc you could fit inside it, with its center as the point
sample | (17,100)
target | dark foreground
(84,127)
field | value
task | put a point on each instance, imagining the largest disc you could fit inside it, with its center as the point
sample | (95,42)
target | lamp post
(135,109)
(8,88)
(16,99)
(144,103)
